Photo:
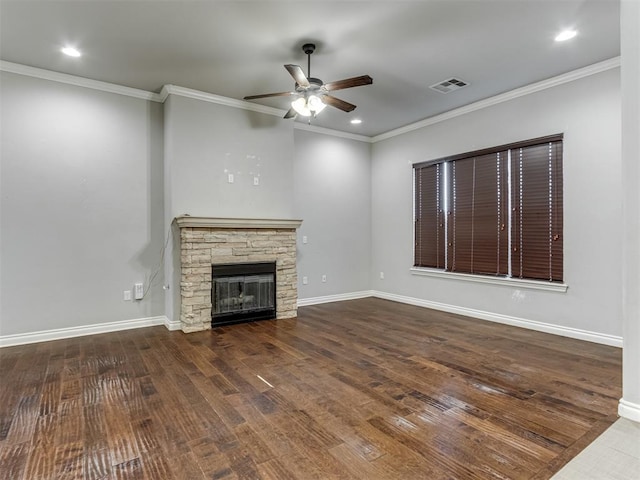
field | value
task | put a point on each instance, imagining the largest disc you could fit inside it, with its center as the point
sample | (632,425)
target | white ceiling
(238,48)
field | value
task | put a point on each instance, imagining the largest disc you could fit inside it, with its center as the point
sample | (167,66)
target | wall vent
(449,85)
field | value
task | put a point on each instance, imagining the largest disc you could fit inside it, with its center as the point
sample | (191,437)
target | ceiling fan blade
(265,95)
(291,113)
(348,83)
(298,75)
(340,104)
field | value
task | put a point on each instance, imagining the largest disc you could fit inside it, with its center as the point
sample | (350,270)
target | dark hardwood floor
(366,389)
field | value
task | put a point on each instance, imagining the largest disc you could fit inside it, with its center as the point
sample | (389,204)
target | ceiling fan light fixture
(316,104)
(308,106)
(301,107)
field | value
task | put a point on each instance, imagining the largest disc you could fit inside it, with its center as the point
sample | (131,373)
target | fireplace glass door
(242,292)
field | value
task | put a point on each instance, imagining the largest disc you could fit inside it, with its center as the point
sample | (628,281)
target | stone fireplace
(208,241)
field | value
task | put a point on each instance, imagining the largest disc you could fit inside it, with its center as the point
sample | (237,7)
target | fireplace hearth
(242,292)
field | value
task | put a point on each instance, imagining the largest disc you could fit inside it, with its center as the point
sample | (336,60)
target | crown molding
(232,102)
(505,97)
(218,99)
(77,81)
(329,131)
(164,94)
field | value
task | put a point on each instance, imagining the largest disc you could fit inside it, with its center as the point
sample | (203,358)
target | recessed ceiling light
(356,121)
(566,35)
(70,51)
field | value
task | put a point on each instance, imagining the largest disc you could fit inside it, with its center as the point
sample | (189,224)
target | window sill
(507,282)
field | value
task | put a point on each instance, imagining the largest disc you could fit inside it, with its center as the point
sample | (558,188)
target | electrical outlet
(138,291)
(304,239)
(305,280)
(381,275)
(127,296)
(230,178)
(256,181)
(324,278)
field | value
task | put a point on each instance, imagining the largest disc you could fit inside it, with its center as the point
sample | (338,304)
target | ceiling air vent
(450,85)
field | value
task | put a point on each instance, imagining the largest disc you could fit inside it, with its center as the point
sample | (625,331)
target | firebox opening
(242,292)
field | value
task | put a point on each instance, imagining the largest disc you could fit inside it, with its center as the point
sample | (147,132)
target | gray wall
(207,141)
(333,196)
(587,111)
(81,205)
(204,142)
(630,41)
(87,201)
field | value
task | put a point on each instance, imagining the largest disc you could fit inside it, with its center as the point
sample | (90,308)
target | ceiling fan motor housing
(315,84)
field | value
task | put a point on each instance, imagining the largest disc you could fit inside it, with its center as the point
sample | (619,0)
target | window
(493,212)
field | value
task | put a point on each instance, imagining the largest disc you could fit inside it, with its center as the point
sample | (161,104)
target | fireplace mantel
(187,221)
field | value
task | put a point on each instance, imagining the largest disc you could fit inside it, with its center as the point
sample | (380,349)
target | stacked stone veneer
(200,247)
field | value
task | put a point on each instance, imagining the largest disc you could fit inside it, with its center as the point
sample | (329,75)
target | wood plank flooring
(365,389)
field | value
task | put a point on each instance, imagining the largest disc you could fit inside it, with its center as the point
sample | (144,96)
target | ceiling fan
(312,94)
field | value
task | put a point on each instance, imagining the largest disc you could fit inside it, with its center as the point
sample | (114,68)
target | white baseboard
(629,410)
(304,302)
(60,333)
(594,337)
(172,325)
